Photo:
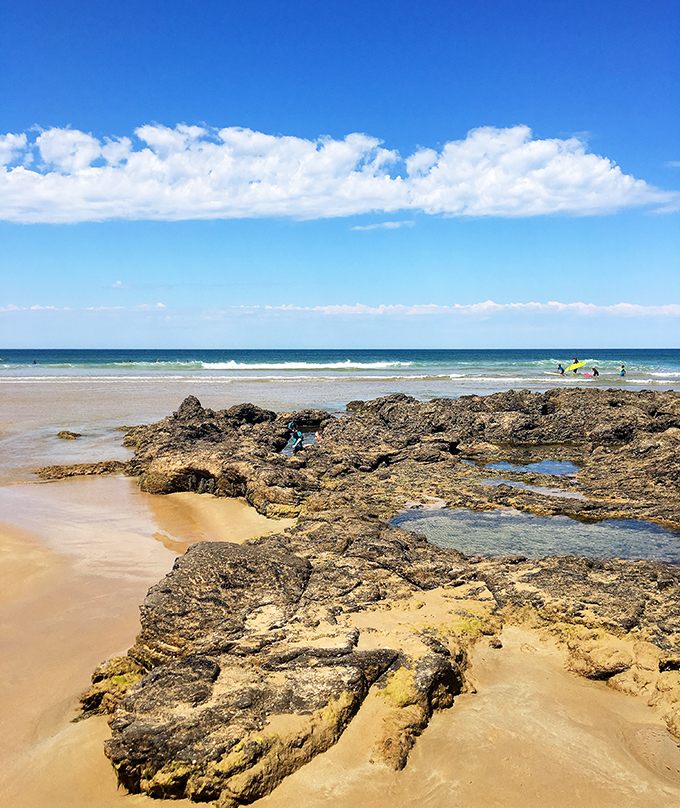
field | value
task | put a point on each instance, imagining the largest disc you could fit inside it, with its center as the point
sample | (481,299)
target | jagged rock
(253,659)
(244,684)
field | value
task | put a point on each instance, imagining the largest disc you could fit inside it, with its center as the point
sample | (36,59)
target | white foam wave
(346,365)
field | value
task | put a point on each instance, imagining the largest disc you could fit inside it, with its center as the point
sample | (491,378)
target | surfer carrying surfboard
(575,365)
(560,370)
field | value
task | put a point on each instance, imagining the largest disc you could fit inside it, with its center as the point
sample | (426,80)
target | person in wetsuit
(297,440)
(297,436)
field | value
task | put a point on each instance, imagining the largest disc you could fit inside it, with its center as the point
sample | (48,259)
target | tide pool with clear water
(558,468)
(506,531)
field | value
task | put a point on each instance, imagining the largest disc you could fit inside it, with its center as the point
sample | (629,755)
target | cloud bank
(485,309)
(194,172)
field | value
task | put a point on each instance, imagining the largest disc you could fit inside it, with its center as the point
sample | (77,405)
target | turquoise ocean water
(423,373)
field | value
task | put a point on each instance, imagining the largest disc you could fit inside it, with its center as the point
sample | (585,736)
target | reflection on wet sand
(76,560)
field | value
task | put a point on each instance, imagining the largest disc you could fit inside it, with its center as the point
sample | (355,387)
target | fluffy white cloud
(192,172)
(11,146)
(68,150)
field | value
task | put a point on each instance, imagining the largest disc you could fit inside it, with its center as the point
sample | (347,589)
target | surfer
(560,370)
(623,370)
(575,362)
(596,372)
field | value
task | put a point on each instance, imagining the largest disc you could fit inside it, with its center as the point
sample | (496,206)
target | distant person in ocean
(623,370)
(560,370)
(596,372)
(574,363)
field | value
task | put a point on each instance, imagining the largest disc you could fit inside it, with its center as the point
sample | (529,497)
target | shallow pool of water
(560,468)
(506,531)
(537,489)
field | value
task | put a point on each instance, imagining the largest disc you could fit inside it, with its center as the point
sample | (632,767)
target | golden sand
(76,559)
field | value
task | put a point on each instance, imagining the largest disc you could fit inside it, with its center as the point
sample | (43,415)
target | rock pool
(558,468)
(506,531)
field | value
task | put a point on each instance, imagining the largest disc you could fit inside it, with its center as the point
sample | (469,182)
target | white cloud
(383,226)
(482,310)
(193,172)
(489,307)
(11,146)
(68,150)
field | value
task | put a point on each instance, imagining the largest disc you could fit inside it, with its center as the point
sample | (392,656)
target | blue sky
(340,175)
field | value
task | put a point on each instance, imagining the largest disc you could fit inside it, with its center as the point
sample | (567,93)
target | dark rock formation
(627,444)
(253,669)
(65,434)
(81,469)
(253,659)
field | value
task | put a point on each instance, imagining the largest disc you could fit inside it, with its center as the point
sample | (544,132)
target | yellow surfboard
(574,366)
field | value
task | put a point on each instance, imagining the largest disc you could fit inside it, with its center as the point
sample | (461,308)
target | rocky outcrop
(235,452)
(66,434)
(392,447)
(251,660)
(257,662)
(81,469)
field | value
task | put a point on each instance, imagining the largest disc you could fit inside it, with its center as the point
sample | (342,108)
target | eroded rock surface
(256,663)
(253,659)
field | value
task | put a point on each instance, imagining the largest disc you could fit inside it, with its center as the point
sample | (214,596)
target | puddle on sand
(557,468)
(506,531)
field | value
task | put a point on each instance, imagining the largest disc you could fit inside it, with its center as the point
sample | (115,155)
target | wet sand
(76,559)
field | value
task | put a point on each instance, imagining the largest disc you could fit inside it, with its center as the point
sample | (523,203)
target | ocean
(96,391)
(425,372)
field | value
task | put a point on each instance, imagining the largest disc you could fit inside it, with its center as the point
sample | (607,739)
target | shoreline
(66,604)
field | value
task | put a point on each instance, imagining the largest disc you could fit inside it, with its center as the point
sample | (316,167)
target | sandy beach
(77,558)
